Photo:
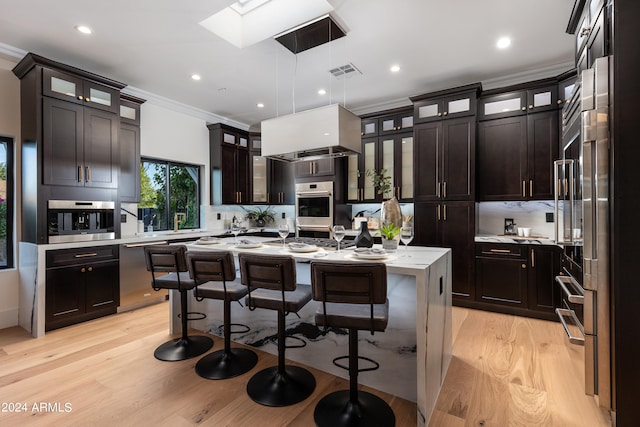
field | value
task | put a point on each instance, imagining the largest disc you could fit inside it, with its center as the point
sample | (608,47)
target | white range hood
(326,131)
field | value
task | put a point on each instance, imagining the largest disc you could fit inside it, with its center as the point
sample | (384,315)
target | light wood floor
(506,371)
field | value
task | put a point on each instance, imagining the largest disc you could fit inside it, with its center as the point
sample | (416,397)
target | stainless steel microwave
(80,221)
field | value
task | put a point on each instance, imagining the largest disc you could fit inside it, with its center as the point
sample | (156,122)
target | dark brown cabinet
(501,274)
(394,123)
(448,104)
(444,160)
(70,134)
(81,284)
(543,97)
(271,180)
(229,158)
(592,34)
(129,150)
(517,279)
(516,155)
(544,265)
(450,225)
(79,145)
(312,168)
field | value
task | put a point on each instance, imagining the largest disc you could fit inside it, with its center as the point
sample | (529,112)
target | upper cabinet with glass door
(449,104)
(518,100)
(71,88)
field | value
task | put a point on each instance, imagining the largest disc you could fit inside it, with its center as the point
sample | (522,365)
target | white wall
(10,127)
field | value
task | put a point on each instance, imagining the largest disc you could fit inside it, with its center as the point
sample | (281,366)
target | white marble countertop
(532,240)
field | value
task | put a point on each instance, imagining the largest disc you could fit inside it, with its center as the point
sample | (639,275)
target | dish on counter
(248,244)
(370,253)
(301,247)
(208,241)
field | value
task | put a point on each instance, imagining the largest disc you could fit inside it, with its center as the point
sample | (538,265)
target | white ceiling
(155,46)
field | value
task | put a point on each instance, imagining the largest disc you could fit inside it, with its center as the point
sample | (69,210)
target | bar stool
(215,277)
(271,280)
(171,259)
(353,296)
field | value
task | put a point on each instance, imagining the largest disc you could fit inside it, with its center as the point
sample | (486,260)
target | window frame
(10,201)
(168,164)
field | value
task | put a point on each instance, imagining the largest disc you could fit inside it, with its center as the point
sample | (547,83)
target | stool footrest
(375,364)
(304,343)
(193,315)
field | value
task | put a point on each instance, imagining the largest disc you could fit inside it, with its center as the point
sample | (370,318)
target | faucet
(177,219)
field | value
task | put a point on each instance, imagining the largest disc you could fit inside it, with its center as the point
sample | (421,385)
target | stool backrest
(276,272)
(352,283)
(217,266)
(165,258)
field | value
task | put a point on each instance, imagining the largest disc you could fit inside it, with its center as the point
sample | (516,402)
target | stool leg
(281,385)
(186,346)
(227,363)
(352,408)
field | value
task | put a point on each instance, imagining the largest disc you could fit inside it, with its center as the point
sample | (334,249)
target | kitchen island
(415,350)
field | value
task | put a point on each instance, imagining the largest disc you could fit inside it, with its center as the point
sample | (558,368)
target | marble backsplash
(491,216)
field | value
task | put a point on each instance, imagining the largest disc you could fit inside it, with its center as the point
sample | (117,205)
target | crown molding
(12,52)
(179,107)
(528,76)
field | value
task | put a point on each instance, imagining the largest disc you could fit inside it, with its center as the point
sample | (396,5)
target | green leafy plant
(260,215)
(380,181)
(389,231)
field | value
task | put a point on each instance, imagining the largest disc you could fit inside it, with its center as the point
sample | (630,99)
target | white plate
(248,245)
(303,249)
(385,258)
(208,242)
(369,255)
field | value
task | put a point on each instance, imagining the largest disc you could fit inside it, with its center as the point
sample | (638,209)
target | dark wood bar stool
(271,280)
(171,259)
(353,296)
(215,277)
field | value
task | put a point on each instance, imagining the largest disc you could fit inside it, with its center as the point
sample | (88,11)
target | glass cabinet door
(369,127)
(369,156)
(406,173)
(259,179)
(542,99)
(388,148)
(503,105)
(62,86)
(352,178)
(428,110)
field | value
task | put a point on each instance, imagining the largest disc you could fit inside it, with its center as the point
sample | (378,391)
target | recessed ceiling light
(195,76)
(395,68)
(260,105)
(503,42)
(83,29)
(322,92)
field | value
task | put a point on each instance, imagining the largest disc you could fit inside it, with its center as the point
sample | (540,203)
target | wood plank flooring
(506,371)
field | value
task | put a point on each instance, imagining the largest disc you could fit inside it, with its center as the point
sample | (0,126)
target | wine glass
(283,231)
(235,229)
(406,236)
(338,234)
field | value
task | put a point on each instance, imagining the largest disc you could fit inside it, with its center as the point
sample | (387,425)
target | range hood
(328,131)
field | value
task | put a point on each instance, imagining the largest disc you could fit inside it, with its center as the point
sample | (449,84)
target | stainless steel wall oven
(314,208)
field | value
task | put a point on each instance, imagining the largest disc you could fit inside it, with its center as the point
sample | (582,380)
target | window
(6,202)
(167,189)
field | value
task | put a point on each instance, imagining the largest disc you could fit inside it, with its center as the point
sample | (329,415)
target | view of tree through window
(167,188)
(6,202)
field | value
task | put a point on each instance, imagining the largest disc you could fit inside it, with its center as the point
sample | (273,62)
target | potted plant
(390,234)
(390,210)
(260,216)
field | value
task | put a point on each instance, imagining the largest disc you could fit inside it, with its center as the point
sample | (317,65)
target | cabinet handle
(438,189)
(530,188)
(88,173)
(445,113)
(500,251)
(80,174)
(530,107)
(87,255)
(438,212)
(82,270)
(80,97)
(87,99)
(523,265)
(439,114)
(444,212)
(533,259)
(559,101)
(444,190)
(524,108)
(90,269)
(524,188)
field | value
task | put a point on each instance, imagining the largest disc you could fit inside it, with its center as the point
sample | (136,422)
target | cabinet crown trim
(31,60)
(473,87)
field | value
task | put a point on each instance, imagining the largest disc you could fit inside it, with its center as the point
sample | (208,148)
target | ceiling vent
(345,71)
(310,35)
